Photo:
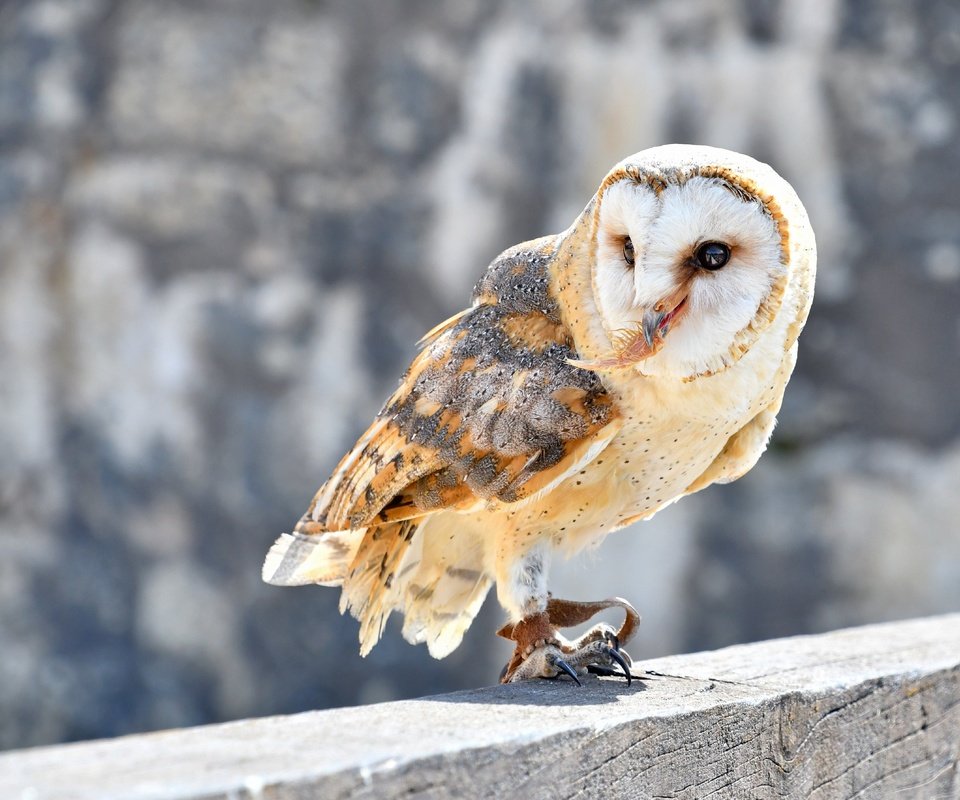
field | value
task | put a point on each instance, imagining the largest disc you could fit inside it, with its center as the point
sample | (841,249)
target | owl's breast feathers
(490,411)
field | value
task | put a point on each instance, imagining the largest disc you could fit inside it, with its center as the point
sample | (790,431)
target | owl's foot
(541,652)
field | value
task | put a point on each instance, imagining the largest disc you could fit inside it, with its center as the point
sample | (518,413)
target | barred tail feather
(366,588)
(298,558)
(443,582)
(443,625)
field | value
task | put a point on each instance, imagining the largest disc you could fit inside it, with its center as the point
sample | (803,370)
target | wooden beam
(870,712)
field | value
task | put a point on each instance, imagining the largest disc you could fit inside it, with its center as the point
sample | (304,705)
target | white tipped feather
(296,558)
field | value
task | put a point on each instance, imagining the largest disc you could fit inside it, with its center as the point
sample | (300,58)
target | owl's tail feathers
(442,619)
(443,582)
(367,588)
(299,558)
(429,568)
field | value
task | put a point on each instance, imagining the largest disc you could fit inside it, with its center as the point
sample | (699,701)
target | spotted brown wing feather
(489,413)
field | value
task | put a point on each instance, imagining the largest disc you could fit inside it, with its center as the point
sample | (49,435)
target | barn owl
(599,375)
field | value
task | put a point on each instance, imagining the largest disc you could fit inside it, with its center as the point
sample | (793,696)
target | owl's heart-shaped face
(681,269)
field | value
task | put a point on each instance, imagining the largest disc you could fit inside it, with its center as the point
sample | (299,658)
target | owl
(599,375)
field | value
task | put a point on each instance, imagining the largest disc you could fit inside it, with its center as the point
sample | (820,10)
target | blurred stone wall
(224,224)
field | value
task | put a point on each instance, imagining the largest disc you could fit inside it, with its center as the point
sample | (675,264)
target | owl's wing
(489,412)
(741,452)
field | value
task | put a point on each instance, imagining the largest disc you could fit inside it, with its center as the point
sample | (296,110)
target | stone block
(262,85)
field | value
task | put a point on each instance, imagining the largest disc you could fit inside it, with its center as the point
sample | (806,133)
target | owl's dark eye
(712,255)
(628,254)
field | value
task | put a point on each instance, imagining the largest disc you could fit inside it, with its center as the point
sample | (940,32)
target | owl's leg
(521,571)
(541,651)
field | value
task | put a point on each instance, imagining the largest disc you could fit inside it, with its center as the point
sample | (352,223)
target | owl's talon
(614,654)
(563,666)
(545,661)
(600,658)
(550,660)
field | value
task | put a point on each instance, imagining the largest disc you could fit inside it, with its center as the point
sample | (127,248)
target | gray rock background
(224,224)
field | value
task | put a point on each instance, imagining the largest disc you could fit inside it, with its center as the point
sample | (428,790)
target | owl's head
(695,249)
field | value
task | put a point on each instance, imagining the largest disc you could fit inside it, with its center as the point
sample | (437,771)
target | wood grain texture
(870,712)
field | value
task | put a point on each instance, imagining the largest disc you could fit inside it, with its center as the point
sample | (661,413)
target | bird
(599,375)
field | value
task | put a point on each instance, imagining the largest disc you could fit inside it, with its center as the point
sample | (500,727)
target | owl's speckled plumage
(579,393)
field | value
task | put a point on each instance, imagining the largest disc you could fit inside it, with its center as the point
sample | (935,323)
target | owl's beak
(657,320)
(633,346)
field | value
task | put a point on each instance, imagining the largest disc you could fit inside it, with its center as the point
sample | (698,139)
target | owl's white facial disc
(666,231)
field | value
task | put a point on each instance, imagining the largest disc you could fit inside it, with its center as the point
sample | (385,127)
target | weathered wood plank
(870,712)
